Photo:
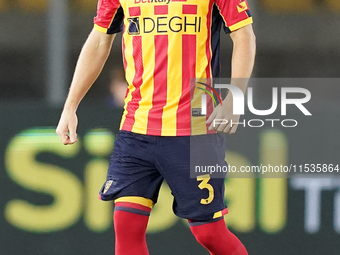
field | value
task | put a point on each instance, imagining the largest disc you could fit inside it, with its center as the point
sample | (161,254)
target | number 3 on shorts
(205,185)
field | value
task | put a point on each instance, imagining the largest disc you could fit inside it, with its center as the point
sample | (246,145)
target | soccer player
(165,44)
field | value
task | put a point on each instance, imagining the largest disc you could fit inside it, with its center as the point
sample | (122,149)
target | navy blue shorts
(140,163)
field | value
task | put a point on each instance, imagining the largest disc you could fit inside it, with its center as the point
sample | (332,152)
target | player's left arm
(244,47)
(242,63)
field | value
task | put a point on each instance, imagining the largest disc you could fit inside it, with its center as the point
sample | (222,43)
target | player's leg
(131,216)
(133,182)
(216,238)
(199,199)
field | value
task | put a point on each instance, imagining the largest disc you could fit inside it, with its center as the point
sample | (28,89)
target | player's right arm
(90,63)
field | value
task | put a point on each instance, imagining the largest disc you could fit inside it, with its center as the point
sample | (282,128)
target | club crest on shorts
(107,186)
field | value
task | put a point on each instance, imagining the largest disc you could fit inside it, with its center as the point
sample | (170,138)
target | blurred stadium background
(49,192)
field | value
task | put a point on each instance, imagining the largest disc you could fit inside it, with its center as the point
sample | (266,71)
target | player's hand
(222,118)
(67,127)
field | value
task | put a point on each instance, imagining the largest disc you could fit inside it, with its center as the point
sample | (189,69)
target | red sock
(217,238)
(130,222)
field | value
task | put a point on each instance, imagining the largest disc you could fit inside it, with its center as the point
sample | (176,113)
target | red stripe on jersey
(124,61)
(134,11)
(189,9)
(188,71)
(137,82)
(210,106)
(123,48)
(161,9)
(160,85)
(208,43)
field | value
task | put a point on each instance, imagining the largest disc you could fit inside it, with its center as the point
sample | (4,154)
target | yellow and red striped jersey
(165,44)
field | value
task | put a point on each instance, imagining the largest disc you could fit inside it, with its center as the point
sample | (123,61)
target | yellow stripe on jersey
(100,29)
(174,90)
(201,45)
(198,123)
(129,72)
(147,90)
(241,24)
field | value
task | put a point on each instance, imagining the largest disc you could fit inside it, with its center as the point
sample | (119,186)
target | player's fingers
(62,135)
(211,127)
(214,123)
(232,130)
(224,126)
(72,134)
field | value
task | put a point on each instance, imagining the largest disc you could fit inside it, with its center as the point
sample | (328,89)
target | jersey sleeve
(109,18)
(235,14)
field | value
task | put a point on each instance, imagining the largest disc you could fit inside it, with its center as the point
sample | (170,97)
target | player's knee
(131,215)
(203,237)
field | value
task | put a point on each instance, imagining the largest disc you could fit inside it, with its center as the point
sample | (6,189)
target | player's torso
(165,43)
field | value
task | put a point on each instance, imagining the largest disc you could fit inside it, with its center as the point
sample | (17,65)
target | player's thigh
(132,171)
(197,196)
